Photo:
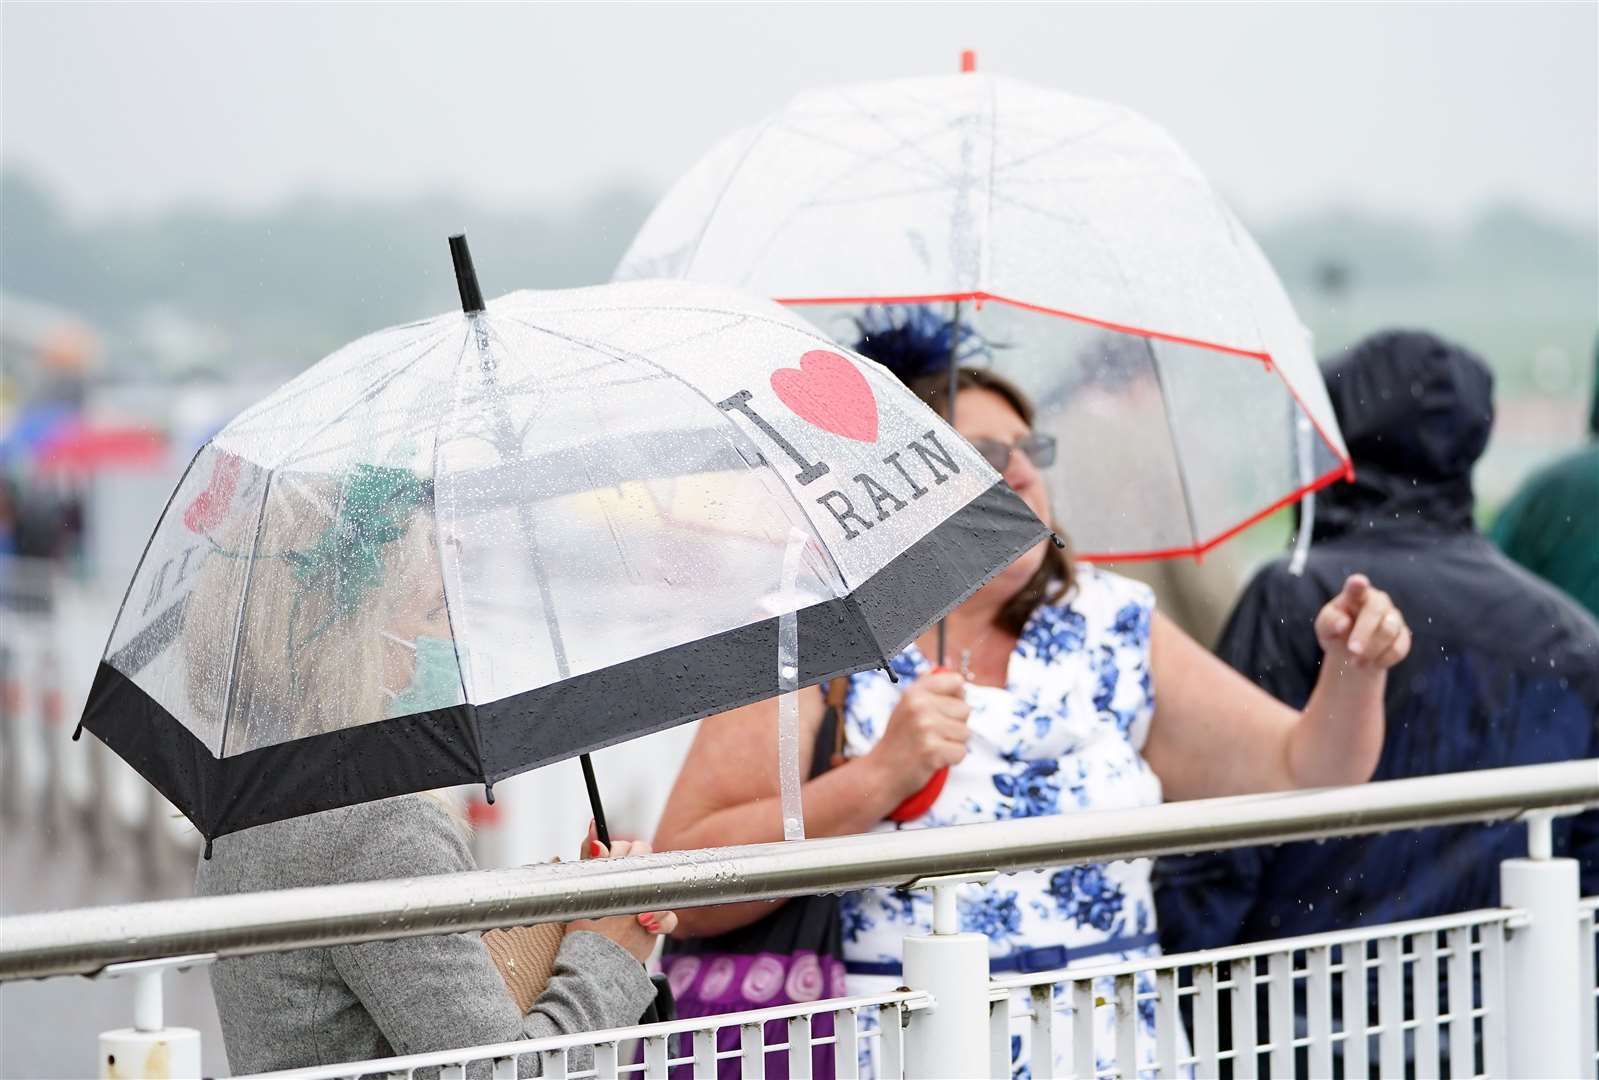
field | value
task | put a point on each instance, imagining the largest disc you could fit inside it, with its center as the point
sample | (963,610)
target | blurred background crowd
(198,202)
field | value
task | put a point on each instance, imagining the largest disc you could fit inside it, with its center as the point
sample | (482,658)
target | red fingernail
(647,921)
(596,848)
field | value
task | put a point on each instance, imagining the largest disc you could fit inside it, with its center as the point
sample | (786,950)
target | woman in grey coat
(310,653)
(410,995)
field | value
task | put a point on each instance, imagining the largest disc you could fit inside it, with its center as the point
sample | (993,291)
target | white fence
(1503,992)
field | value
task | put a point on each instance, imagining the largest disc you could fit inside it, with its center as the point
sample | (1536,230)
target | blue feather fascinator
(914,340)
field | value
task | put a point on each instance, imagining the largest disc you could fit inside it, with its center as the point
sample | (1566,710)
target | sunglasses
(1039,449)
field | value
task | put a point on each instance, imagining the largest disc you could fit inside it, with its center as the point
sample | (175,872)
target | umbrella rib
(1060,144)
(732,175)
(929,168)
(1171,435)
(145,554)
(444,575)
(376,387)
(905,143)
(238,620)
(290,393)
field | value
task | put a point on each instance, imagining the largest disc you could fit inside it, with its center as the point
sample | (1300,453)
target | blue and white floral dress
(1064,734)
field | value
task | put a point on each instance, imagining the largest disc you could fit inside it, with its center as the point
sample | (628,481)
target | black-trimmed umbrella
(469,546)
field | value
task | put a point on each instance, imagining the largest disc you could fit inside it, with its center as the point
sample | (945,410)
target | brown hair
(1054,575)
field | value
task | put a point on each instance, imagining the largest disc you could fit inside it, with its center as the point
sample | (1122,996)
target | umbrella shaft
(949,415)
(593,784)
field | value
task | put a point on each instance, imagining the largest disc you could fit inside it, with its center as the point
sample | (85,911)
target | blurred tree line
(280,287)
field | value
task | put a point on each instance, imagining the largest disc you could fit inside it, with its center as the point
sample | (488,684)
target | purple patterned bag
(714,983)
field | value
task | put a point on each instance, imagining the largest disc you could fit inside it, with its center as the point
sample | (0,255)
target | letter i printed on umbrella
(480,543)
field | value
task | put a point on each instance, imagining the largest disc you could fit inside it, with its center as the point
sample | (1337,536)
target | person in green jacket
(1551,526)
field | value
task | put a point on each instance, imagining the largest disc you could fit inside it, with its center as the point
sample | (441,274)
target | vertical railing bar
(1167,1022)
(1041,1030)
(455,1070)
(1205,1021)
(999,1038)
(605,1055)
(705,1054)
(891,1036)
(1246,1063)
(1127,1024)
(1085,1061)
(1424,992)
(655,1057)
(1495,1051)
(1357,1052)
(752,1051)
(1390,1006)
(552,1064)
(846,1044)
(1318,1009)
(1280,1012)
(1586,977)
(799,1048)
(1462,1028)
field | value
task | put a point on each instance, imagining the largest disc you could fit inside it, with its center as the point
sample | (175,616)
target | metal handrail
(85,941)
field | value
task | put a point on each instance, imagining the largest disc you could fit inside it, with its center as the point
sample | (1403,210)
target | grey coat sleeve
(444,992)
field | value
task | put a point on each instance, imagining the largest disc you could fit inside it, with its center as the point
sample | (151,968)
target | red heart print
(210,507)
(830,392)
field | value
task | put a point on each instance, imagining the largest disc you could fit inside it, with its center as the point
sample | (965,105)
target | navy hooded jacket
(1503,669)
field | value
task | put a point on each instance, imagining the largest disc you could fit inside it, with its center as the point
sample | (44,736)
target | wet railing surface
(83,942)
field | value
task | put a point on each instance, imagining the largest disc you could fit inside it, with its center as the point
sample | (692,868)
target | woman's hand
(926,732)
(635,933)
(1360,627)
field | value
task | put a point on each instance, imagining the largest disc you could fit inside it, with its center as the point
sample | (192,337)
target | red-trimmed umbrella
(1160,347)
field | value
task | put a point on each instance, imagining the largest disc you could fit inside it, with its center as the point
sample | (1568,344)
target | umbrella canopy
(1136,310)
(468,546)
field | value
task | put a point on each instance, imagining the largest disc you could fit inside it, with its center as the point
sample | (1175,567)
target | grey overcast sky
(1429,110)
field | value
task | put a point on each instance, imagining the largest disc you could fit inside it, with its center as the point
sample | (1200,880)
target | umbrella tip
(465,275)
(968,60)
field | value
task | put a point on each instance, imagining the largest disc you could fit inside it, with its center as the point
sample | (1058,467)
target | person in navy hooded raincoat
(1504,669)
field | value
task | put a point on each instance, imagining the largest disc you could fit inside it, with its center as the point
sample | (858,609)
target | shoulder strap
(830,736)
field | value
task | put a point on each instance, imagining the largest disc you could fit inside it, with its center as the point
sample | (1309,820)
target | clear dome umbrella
(1133,307)
(468,546)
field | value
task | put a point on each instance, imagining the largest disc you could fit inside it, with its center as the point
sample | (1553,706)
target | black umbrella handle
(594,801)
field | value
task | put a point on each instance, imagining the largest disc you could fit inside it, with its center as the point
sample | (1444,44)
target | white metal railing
(691,1046)
(1421,991)
(1531,1012)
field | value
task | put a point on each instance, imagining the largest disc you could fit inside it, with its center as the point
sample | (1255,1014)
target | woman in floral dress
(1053,710)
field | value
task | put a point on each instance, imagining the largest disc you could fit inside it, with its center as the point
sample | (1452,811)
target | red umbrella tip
(968,60)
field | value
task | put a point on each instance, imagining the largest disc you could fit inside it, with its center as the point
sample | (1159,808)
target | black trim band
(577,715)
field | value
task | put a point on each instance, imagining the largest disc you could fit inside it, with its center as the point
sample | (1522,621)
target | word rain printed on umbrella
(1128,300)
(469,546)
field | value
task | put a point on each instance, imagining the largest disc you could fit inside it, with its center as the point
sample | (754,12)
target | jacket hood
(1415,411)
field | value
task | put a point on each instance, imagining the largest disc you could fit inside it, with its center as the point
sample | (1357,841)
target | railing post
(1541,992)
(951,1038)
(149,1049)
